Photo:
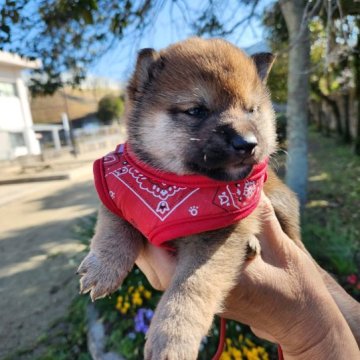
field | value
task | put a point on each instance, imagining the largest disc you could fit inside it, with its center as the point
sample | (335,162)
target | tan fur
(216,76)
(105,267)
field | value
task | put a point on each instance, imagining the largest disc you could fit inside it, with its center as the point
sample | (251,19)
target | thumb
(271,232)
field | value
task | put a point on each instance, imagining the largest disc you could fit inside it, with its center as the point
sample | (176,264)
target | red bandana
(165,206)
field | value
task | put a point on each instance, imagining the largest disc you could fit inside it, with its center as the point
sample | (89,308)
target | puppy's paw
(161,346)
(253,248)
(99,278)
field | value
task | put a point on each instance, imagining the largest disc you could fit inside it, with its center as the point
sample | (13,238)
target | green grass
(331,222)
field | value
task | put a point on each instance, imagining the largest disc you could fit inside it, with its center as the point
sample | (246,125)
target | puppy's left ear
(263,62)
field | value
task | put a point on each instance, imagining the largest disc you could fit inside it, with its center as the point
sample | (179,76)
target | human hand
(157,264)
(280,294)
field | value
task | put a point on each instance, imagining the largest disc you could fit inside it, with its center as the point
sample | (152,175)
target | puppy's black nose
(243,145)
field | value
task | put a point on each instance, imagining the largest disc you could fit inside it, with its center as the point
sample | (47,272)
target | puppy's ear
(143,71)
(263,62)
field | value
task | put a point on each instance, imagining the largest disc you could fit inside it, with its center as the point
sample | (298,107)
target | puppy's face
(201,106)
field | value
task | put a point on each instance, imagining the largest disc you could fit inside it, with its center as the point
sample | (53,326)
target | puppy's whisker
(195,139)
(282,151)
(205,158)
(275,163)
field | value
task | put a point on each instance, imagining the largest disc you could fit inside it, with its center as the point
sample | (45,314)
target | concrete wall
(15,118)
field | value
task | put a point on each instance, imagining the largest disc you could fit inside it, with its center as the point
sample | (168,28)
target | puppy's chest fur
(234,242)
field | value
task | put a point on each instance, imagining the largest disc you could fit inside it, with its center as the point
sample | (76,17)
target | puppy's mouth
(223,171)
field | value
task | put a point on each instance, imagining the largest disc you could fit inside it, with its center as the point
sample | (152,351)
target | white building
(17,136)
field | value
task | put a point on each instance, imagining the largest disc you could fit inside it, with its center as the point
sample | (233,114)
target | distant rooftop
(14,60)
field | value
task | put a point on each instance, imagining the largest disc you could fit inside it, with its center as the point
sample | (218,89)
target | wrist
(323,336)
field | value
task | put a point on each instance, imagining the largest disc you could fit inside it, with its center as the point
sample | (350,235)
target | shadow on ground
(39,255)
(76,195)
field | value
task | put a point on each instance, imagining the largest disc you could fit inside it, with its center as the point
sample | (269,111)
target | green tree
(110,108)
(331,29)
(278,39)
(69,34)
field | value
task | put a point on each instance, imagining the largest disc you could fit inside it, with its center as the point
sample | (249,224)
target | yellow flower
(131,289)
(147,294)
(225,356)
(141,288)
(119,302)
(260,353)
(236,353)
(137,301)
(253,354)
(249,342)
(245,350)
(123,310)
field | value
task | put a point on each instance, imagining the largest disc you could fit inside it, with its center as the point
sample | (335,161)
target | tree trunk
(319,122)
(298,93)
(335,109)
(347,133)
(357,89)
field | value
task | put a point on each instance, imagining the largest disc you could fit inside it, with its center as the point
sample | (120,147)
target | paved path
(39,254)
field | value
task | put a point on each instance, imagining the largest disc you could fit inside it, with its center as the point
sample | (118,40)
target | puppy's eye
(251,110)
(199,111)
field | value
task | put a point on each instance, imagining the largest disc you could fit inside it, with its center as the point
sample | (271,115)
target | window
(16,139)
(7,89)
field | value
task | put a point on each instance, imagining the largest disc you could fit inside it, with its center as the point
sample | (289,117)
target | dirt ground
(39,254)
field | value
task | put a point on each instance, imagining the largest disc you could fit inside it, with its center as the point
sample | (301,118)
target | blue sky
(168,28)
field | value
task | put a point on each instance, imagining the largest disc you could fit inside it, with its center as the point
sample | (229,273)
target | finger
(158,265)
(271,233)
(163,262)
(143,264)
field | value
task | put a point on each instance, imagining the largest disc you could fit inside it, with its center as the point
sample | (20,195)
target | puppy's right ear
(263,62)
(143,72)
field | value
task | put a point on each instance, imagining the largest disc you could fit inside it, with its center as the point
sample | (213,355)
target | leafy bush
(333,244)
(110,108)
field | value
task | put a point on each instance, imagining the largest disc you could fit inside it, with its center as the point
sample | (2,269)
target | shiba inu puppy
(200,111)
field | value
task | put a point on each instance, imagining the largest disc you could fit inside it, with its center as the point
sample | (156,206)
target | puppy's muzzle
(238,146)
(244,146)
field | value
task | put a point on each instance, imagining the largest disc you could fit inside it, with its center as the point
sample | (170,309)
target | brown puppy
(197,107)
